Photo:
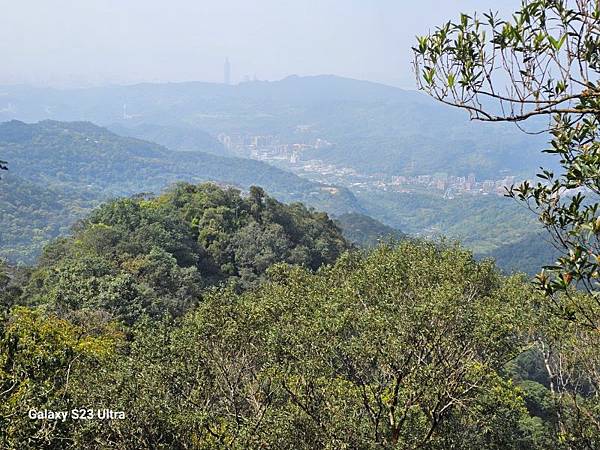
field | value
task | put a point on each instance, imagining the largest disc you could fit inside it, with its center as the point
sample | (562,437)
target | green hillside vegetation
(491,226)
(365,231)
(82,155)
(527,255)
(31,214)
(214,317)
(486,221)
(60,171)
(154,256)
(413,346)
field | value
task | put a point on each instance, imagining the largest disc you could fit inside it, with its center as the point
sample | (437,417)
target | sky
(67,43)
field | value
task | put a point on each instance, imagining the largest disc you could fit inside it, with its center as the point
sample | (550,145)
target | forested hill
(365,231)
(373,128)
(31,214)
(59,170)
(152,256)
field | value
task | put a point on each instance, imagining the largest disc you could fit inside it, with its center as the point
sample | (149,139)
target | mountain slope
(527,255)
(481,223)
(58,171)
(365,231)
(32,214)
(173,137)
(81,155)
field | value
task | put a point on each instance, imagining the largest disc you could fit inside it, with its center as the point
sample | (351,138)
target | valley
(60,171)
(372,159)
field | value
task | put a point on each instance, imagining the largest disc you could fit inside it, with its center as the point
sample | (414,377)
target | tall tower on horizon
(227,72)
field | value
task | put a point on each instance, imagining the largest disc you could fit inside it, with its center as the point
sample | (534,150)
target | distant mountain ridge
(374,127)
(84,155)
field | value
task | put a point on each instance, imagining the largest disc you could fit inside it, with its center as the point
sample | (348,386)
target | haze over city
(66,44)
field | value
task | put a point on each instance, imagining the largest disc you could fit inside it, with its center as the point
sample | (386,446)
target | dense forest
(213,319)
(33,214)
(139,256)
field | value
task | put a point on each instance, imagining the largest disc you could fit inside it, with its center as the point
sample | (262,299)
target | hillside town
(292,156)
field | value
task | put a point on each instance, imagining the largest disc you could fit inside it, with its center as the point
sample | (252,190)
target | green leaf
(451,80)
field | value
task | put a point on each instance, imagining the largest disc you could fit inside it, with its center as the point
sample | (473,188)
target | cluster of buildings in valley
(446,185)
(452,185)
(292,156)
(270,148)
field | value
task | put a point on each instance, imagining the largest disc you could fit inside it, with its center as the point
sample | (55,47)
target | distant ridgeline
(373,128)
(81,155)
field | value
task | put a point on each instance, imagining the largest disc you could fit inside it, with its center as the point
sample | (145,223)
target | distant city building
(488,185)
(227,72)
(279,150)
(125,115)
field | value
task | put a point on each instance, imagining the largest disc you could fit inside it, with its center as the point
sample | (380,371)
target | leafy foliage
(398,349)
(542,62)
(154,256)
(568,207)
(37,356)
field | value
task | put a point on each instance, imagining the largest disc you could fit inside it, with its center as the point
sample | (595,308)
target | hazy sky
(79,42)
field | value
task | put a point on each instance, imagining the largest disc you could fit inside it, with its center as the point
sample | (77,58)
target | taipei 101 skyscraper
(227,72)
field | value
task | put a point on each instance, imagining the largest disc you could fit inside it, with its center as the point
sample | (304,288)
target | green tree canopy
(155,255)
(403,348)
